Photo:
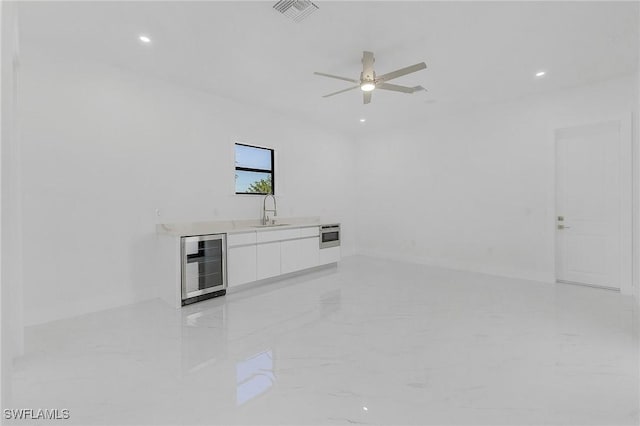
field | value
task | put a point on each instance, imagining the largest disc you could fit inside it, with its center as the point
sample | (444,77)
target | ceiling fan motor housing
(368,78)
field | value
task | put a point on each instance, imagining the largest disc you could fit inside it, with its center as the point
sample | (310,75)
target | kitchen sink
(271,226)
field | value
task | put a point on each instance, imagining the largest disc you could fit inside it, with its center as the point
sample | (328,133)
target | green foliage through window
(263,186)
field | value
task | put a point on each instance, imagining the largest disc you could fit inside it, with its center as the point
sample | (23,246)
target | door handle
(563,227)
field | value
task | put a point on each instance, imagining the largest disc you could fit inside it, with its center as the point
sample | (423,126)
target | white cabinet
(268,260)
(309,253)
(329,255)
(278,235)
(241,265)
(243,238)
(299,254)
(258,255)
(312,231)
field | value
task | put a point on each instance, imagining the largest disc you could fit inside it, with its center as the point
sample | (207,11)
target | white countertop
(186,229)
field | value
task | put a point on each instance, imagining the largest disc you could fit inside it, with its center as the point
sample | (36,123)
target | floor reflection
(203,337)
(254,376)
(330,302)
(437,347)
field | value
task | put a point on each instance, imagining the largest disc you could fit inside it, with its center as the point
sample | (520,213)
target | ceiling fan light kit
(368,86)
(368,80)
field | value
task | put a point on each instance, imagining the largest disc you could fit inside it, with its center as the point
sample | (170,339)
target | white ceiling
(476,52)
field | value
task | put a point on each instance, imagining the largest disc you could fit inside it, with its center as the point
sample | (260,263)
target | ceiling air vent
(295,9)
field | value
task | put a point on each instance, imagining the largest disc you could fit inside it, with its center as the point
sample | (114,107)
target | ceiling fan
(369,81)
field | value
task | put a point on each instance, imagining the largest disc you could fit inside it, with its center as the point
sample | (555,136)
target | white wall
(10,271)
(475,191)
(103,149)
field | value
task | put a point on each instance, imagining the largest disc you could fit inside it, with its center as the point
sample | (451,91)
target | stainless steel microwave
(329,235)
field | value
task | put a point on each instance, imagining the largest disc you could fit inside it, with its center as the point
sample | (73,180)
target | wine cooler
(204,267)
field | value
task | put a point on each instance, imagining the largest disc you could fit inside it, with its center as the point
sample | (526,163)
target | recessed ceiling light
(365,408)
(362,120)
(540,73)
(145,39)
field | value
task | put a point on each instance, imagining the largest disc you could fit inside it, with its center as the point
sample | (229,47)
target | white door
(591,204)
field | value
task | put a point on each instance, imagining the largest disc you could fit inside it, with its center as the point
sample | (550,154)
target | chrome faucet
(265,216)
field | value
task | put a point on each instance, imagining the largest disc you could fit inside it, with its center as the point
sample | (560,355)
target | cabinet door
(310,252)
(329,255)
(268,260)
(299,254)
(241,265)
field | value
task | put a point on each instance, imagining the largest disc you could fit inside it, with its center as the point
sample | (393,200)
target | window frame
(272,171)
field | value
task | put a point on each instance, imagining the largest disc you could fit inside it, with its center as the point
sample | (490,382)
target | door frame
(635,172)
(628,215)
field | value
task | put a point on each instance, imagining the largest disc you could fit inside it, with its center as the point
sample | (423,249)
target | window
(254,170)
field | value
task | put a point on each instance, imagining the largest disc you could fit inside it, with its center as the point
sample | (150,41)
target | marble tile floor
(366,342)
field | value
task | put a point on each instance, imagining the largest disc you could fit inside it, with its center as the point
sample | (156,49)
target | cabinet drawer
(309,232)
(241,239)
(279,235)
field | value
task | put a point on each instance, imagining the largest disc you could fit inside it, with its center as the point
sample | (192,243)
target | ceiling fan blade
(397,88)
(341,91)
(367,65)
(402,71)
(338,77)
(366,97)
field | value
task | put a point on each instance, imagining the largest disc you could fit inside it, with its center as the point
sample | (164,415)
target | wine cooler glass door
(203,265)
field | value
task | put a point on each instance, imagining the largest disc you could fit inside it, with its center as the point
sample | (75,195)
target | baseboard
(601,287)
(310,272)
(541,278)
